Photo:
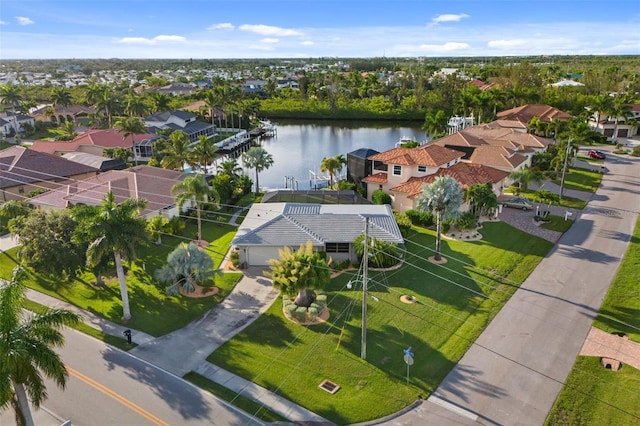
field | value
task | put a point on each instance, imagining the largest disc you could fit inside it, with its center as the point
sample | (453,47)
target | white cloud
(270,30)
(152,41)
(449,17)
(221,26)
(4,23)
(264,47)
(307,43)
(450,46)
(23,20)
(270,40)
(508,44)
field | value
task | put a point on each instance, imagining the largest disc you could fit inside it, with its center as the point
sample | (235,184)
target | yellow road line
(133,407)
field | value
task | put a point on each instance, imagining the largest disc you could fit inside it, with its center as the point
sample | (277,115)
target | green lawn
(568,202)
(581,180)
(589,159)
(455,302)
(593,395)
(557,223)
(152,310)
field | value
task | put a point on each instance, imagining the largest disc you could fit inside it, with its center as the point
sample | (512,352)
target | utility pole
(564,166)
(365,284)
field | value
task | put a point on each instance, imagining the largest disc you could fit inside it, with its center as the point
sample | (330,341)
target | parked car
(518,203)
(598,155)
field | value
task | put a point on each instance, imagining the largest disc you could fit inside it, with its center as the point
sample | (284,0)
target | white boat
(406,139)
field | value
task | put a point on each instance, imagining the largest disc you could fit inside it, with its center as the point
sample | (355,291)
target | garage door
(259,256)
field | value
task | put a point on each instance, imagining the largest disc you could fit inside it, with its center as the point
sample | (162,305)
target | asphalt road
(107,386)
(515,370)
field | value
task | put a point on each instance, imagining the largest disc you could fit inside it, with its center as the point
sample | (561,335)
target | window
(422,169)
(397,170)
(337,247)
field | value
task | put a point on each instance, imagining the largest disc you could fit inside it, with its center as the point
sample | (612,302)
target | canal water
(298,148)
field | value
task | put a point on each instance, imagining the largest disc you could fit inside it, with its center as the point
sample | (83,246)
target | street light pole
(564,166)
(365,259)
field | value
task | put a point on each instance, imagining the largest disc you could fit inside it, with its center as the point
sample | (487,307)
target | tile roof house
(151,183)
(405,170)
(63,113)
(331,228)
(180,120)
(95,141)
(23,170)
(523,114)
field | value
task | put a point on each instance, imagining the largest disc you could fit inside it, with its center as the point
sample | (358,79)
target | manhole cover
(329,386)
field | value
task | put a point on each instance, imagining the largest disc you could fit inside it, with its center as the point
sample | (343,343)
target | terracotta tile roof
(19,165)
(110,138)
(461,138)
(496,156)
(525,113)
(151,183)
(426,155)
(465,173)
(377,178)
(498,135)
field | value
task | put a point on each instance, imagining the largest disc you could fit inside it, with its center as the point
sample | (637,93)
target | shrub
(234,257)
(403,221)
(313,313)
(301,313)
(419,218)
(466,221)
(446,226)
(175,226)
(290,309)
(636,152)
(381,197)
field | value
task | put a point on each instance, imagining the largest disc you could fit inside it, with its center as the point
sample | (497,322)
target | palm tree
(600,104)
(117,230)
(156,226)
(211,100)
(482,197)
(331,165)
(526,175)
(27,352)
(619,109)
(259,159)
(229,167)
(195,189)
(186,266)
(134,105)
(435,122)
(61,96)
(203,153)
(444,197)
(131,126)
(10,95)
(176,151)
(160,101)
(106,102)
(66,132)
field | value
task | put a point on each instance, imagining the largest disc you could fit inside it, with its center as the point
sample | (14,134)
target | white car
(518,203)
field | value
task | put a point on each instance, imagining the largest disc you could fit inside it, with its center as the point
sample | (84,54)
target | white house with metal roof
(331,228)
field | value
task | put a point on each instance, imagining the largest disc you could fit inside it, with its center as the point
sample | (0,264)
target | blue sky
(32,29)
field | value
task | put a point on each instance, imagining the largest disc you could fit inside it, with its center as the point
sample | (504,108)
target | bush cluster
(419,218)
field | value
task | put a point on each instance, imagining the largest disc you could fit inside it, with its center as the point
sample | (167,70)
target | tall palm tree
(525,176)
(195,189)
(116,229)
(176,152)
(134,105)
(159,101)
(619,110)
(10,95)
(27,352)
(259,159)
(131,126)
(203,153)
(66,132)
(61,96)
(444,197)
(106,102)
(331,165)
(229,167)
(212,101)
